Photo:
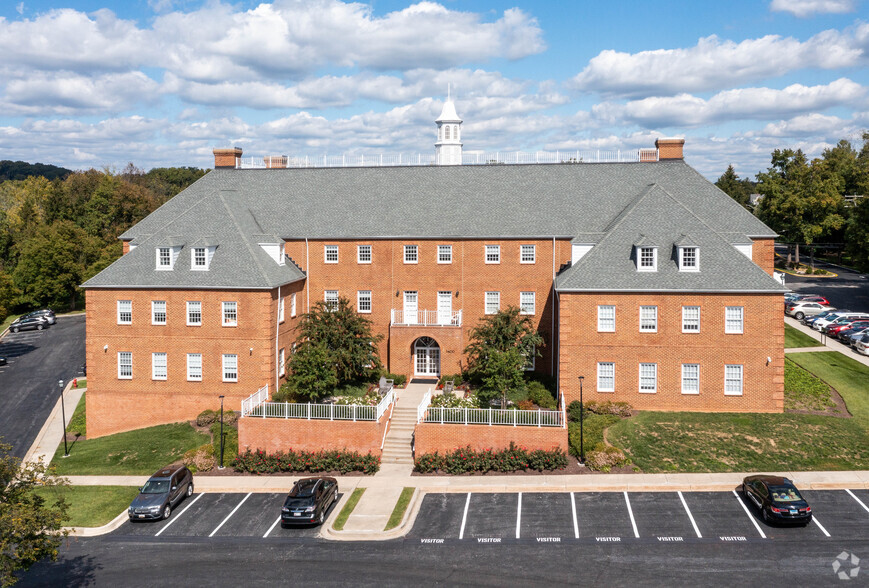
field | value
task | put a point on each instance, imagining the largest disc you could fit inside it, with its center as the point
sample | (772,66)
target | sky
(101,83)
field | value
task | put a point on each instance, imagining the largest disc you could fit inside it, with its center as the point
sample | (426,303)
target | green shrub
(549,382)
(230,446)
(371,398)
(453,401)
(463,460)
(287,393)
(398,380)
(622,409)
(603,459)
(592,429)
(573,411)
(525,405)
(259,462)
(539,395)
(206,417)
(457,379)
(200,459)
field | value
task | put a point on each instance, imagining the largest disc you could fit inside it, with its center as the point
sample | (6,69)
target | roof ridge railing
(472,158)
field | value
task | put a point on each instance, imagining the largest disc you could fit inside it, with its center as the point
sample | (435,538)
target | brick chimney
(669,148)
(225,158)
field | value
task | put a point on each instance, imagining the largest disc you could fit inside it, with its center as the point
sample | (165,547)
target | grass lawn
(400,507)
(803,391)
(230,446)
(342,517)
(719,442)
(140,452)
(91,506)
(78,422)
(795,338)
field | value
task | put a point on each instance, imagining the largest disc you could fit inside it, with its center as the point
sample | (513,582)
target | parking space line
(573,508)
(518,514)
(820,526)
(192,502)
(690,516)
(860,502)
(230,514)
(465,517)
(272,528)
(748,514)
(631,513)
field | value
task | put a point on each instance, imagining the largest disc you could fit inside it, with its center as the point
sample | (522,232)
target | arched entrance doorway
(426,357)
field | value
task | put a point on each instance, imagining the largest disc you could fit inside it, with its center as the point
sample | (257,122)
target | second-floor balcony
(427,318)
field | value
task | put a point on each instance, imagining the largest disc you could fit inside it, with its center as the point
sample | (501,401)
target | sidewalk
(824,343)
(51,434)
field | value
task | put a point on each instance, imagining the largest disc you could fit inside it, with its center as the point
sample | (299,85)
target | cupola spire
(448,148)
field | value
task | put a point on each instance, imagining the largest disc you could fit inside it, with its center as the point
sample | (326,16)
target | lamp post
(220,467)
(63,416)
(581,418)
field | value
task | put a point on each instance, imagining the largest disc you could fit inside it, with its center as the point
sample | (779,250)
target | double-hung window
(158,366)
(164,258)
(363,301)
(530,360)
(606,318)
(331,254)
(363,254)
(158,312)
(527,253)
(194,367)
(733,319)
(125,365)
(125,312)
(331,298)
(648,259)
(200,261)
(606,376)
(282,363)
(690,319)
(648,319)
(230,367)
(230,314)
(527,302)
(648,378)
(689,259)
(293,304)
(411,254)
(493,254)
(690,378)
(493,302)
(733,380)
(281,302)
(445,253)
(194,313)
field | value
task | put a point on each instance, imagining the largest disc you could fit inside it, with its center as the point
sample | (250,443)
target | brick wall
(763,254)
(282,434)
(583,346)
(431,437)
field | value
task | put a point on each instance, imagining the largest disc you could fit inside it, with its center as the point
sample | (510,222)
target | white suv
(832,318)
(800,310)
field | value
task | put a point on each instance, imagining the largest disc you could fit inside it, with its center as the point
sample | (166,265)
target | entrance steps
(397,448)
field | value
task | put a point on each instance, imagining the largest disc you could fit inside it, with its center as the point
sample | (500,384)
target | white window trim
(533,303)
(154,312)
(326,249)
(639,254)
(292,305)
(533,254)
(193,266)
(691,392)
(727,329)
(601,388)
(281,308)
(603,330)
(741,380)
(160,267)
(640,378)
(450,247)
(165,366)
(654,330)
(359,301)
(189,324)
(223,314)
(696,267)
(359,254)
(125,377)
(282,360)
(129,322)
(406,249)
(194,378)
(486,303)
(326,297)
(699,319)
(223,367)
(497,249)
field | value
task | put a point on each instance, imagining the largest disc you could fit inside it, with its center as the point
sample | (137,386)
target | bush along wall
(463,460)
(259,462)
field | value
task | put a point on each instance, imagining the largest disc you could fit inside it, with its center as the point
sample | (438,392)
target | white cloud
(805,8)
(713,64)
(69,93)
(20,8)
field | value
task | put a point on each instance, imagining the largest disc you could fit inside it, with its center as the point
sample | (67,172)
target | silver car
(799,309)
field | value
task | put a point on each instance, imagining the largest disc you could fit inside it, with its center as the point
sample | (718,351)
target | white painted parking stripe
(573,508)
(518,515)
(690,516)
(230,514)
(465,517)
(631,512)
(748,514)
(860,502)
(192,502)
(272,528)
(820,526)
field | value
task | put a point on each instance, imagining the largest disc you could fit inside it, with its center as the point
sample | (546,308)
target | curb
(97,531)
(400,531)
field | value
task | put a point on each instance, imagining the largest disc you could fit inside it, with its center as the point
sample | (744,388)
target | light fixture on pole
(220,467)
(63,416)
(581,418)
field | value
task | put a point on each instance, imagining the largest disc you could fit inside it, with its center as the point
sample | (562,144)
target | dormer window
(647,258)
(166,257)
(689,259)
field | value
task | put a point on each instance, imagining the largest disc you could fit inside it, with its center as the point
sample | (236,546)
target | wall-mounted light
(251,350)
(105,348)
(457,293)
(396,293)
(768,360)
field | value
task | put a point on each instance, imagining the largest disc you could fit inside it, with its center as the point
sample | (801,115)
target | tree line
(55,233)
(805,201)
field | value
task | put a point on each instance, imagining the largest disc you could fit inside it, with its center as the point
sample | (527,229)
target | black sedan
(309,500)
(777,499)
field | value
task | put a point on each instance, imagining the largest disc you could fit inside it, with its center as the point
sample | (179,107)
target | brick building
(642,277)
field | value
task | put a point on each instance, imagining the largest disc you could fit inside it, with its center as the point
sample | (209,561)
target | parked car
(799,309)
(830,318)
(777,499)
(852,335)
(810,320)
(862,344)
(45,312)
(2,361)
(814,298)
(28,323)
(841,331)
(161,493)
(309,500)
(837,325)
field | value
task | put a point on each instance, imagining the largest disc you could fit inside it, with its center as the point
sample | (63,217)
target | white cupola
(448,148)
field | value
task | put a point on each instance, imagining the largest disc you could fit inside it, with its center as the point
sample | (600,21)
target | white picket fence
(310,411)
(425,413)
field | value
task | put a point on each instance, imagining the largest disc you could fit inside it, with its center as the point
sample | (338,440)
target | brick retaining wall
(273,434)
(431,437)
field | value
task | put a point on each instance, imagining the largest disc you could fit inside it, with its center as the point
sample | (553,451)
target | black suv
(161,493)
(28,323)
(777,499)
(309,500)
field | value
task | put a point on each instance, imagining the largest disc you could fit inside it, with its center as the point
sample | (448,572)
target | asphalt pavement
(28,384)
(849,289)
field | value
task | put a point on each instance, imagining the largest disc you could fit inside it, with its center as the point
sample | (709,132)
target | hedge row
(259,462)
(465,459)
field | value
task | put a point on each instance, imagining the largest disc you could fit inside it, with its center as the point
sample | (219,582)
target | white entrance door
(445,308)
(427,360)
(411,314)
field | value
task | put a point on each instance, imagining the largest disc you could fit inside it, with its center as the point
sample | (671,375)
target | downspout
(277,331)
(307,278)
(552,329)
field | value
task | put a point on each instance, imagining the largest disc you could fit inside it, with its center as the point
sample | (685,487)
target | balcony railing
(427,318)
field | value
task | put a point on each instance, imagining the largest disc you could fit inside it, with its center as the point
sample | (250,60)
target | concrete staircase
(397,447)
